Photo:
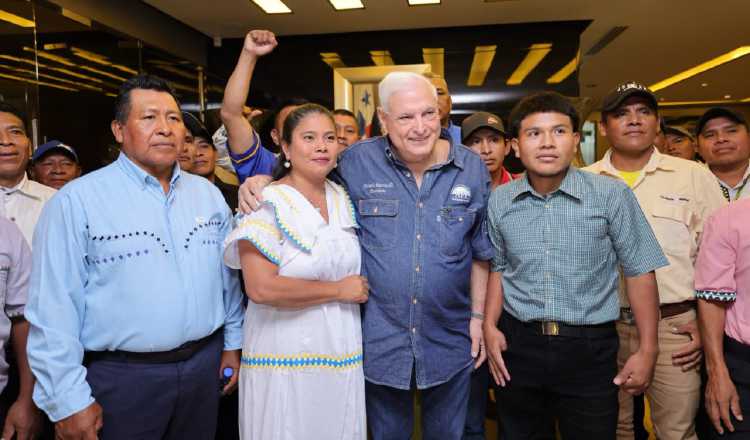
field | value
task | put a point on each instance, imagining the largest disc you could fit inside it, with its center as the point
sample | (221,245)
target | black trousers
(737,357)
(558,378)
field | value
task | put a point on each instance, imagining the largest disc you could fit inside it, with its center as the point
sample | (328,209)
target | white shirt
(739,191)
(23,204)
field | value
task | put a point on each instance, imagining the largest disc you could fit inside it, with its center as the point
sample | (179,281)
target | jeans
(390,411)
(480,383)
(568,379)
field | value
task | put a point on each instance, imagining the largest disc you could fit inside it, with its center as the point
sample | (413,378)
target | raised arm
(240,133)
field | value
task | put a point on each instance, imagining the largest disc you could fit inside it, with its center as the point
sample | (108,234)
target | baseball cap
(678,131)
(719,112)
(624,91)
(481,120)
(54,146)
(196,127)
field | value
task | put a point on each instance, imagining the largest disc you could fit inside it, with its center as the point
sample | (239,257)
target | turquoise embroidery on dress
(304,360)
(247,230)
(715,295)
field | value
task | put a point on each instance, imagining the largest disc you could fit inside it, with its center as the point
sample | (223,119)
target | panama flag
(364,107)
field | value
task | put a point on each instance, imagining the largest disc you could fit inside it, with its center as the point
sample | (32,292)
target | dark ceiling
(295,68)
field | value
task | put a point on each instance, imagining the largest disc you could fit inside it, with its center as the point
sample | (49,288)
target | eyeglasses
(406,119)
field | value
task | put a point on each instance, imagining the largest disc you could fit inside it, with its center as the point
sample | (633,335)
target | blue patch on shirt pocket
(377,219)
(455,224)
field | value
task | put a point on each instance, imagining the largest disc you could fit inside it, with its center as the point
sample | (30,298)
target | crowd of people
(347,273)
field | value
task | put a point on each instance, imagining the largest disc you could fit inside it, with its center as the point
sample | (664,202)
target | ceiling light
(33,81)
(49,56)
(76,17)
(273,6)
(436,58)
(536,54)
(566,71)
(100,59)
(381,57)
(700,68)
(55,46)
(32,73)
(727,96)
(332,59)
(423,2)
(15,19)
(704,84)
(341,5)
(686,103)
(480,65)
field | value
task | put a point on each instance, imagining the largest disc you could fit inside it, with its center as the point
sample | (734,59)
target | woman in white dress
(301,375)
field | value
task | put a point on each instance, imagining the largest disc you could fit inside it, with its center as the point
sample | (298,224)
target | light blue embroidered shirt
(120,265)
(560,253)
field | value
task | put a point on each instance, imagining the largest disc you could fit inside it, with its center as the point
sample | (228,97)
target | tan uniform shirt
(677,196)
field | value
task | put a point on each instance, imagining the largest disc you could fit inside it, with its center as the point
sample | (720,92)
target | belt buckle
(626,316)
(550,328)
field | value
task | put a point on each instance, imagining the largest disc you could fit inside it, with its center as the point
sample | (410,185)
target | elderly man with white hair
(421,203)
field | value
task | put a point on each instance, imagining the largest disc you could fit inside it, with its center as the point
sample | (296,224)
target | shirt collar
(741,182)
(24,187)
(655,162)
(571,185)
(457,160)
(141,176)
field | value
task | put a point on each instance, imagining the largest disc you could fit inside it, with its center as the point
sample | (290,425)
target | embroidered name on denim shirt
(377,188)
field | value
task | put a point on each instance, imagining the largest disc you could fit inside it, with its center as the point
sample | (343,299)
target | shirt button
(548,275)
(420,205)
(13,219)
(413,329)
(416,269)
(419,236)
(546,252)
(414,301)
(460,219)
(546,205)
(407,174)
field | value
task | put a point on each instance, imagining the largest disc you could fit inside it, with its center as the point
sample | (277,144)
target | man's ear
(276,137)
(117,131)
(515,146)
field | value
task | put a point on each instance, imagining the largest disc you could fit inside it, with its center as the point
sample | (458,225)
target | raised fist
(260,42)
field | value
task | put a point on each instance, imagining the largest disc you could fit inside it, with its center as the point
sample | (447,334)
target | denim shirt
(418,244)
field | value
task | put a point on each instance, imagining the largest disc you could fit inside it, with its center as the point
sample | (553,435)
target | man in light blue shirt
(133,315)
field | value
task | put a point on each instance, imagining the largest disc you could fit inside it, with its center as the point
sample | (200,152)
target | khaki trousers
(673,394)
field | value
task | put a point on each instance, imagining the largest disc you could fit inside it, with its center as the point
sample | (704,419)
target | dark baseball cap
(619,94)
(719,112)
(196,127)
(676,130)
(54,146)
(481,120)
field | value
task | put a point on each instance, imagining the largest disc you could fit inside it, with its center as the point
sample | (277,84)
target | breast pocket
(455,224)
(671,228)
(378,222)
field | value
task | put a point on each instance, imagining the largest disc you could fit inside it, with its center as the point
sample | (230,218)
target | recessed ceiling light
(565,71)
(483,56)
(423,2)
(341,5)
(700,68)
(704,84)
(536,54)
(727,96)
(273,6)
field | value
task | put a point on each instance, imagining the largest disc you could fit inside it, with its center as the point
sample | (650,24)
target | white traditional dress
(301,375)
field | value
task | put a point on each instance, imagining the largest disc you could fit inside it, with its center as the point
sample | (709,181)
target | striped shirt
(560,253)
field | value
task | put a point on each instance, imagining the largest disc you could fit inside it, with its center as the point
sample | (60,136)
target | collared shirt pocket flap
(378,208)
(672,212)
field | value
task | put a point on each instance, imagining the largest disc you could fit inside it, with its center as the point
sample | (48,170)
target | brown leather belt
(666,311)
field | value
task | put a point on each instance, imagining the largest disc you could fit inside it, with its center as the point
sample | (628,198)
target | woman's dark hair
(542,102)
(144,82)
(290,124)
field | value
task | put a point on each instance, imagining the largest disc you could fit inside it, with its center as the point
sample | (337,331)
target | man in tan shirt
(677,196)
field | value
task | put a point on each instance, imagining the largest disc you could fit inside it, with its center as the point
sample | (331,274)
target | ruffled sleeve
(260,229)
